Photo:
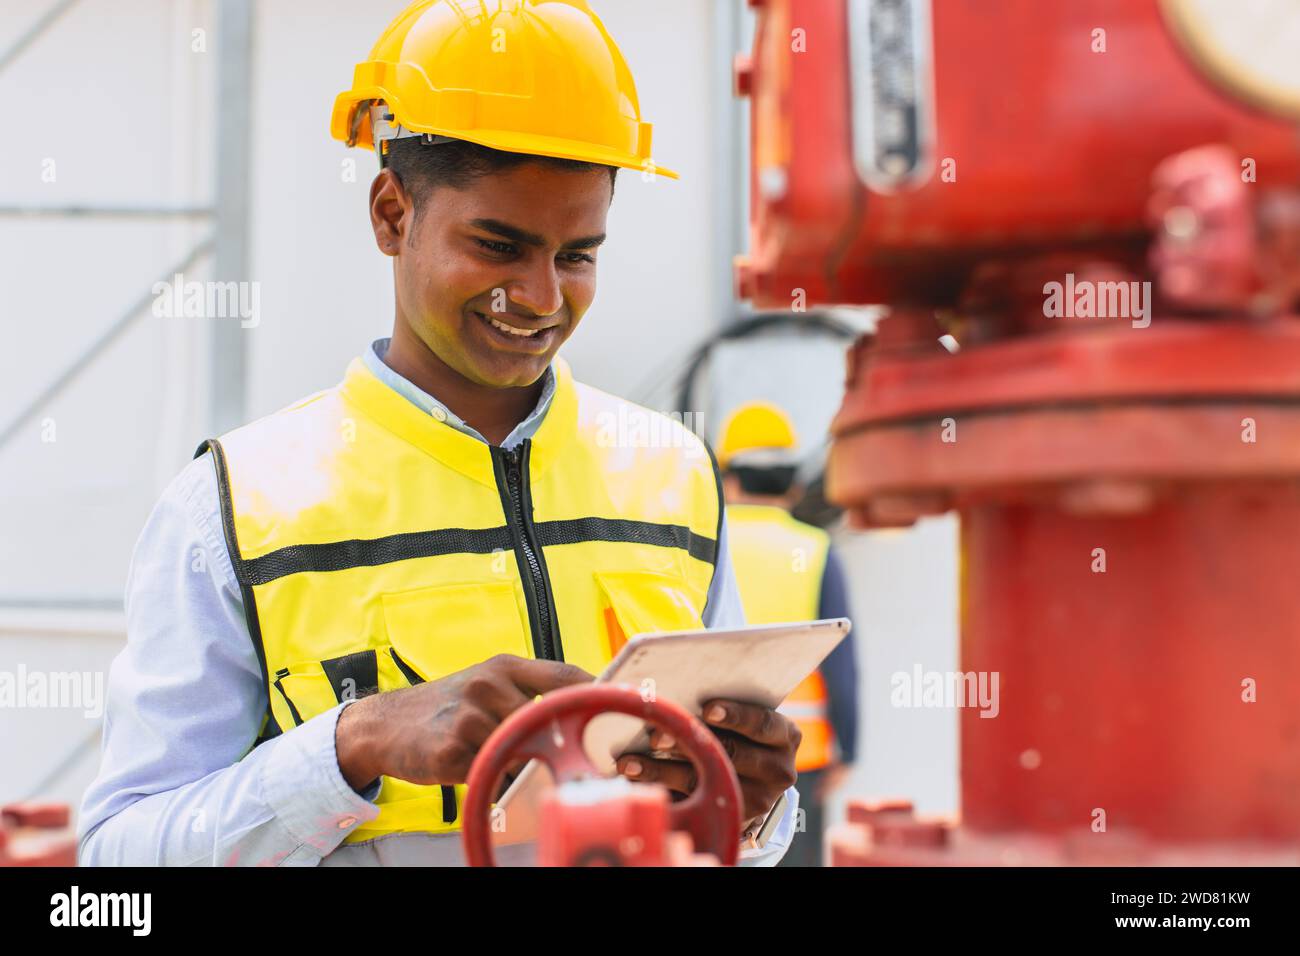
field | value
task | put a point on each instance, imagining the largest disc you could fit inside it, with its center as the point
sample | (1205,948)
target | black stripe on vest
(364,553)
(575,530)
(359,553)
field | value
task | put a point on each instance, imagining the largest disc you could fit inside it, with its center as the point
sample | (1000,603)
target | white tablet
(758,664)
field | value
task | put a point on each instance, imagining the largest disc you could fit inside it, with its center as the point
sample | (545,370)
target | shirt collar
(374,360)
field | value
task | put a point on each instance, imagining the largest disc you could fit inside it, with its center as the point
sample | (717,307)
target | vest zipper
(512,481)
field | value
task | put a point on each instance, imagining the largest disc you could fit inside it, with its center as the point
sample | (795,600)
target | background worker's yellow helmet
(524,76)
(760,433)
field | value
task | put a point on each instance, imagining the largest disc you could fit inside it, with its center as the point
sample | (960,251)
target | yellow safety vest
(779,564)
(377,547)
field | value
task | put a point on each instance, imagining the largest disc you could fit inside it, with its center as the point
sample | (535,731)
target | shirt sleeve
(178,784)
(723,609)
(840,669)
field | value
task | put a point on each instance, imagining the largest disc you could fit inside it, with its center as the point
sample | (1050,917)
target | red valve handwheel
(551,730)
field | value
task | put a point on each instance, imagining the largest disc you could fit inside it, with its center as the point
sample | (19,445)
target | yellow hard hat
(525,76)
(757,426)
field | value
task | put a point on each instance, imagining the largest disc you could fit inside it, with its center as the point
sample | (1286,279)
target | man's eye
(502,248)
(577,257)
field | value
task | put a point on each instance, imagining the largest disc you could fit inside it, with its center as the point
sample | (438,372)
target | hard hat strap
(383,129)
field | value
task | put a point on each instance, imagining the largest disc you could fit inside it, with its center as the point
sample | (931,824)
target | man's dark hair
(422,167)
(768,480)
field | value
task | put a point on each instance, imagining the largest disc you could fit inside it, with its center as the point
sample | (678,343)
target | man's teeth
(511,329)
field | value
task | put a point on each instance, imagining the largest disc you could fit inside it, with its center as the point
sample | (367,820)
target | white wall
(123,122)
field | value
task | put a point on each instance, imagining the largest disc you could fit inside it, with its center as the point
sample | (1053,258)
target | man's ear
(392,212)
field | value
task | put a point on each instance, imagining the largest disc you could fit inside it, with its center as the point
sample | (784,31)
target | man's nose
(538,290)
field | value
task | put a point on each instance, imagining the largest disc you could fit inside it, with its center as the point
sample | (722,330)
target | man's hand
(431,733)
(760,742)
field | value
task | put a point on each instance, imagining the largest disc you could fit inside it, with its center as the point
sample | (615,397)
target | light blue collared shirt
(374,359)
(178,785)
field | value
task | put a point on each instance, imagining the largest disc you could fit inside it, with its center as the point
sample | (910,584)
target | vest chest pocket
(440,630)
(645,602)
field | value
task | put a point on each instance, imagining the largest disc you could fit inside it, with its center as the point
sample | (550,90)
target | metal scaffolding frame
(226,243)
(234,119)
(32,33)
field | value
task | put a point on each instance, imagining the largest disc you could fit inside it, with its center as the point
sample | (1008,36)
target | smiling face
(494,274)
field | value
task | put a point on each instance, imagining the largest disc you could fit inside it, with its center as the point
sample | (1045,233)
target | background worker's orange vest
(779,564)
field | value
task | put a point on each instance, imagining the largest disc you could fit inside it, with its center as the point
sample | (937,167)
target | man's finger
(676,775)
(539,676)
(665,746)
(751,761)
(757,803)
(756,761)
(504,699)
(760,724)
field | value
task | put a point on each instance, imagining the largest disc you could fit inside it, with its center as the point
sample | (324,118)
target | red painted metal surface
(1150,707)
(37,834)
(1053,144)
(1123,690)
(628,826)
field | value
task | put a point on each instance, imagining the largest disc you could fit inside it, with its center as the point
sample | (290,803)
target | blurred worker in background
(787,571)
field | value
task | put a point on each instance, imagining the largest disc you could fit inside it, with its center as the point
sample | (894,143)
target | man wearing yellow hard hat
(788,571)
(332,608)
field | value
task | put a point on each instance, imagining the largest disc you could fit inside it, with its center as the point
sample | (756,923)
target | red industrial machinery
(1100,202)
(591,820)
(37,834)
